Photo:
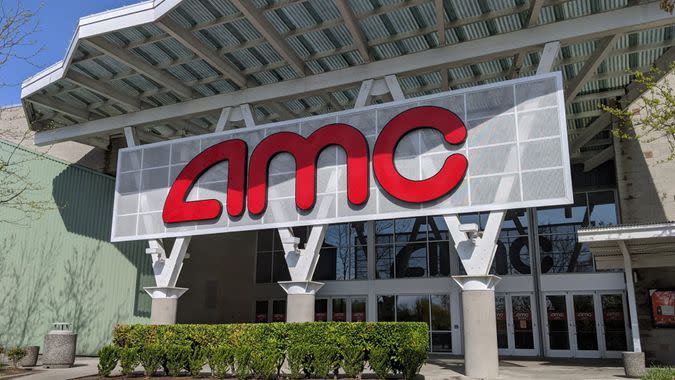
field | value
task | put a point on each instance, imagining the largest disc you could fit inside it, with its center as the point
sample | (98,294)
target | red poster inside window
(663,307)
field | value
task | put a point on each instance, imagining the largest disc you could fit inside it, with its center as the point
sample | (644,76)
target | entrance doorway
(516,324)
(586,324)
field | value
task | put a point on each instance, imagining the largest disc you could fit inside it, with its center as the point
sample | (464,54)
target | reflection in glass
(615,325)
(439,258)
(502,330)
(411,260)
(359,310)
(523,332)
(339,310)
(412,309)
(384,261)
(584,318)
(279,311)
(556,316)
(602,208)
(386,308)
(263,267)
(260,311)
(321,310)
(440,312)
(343,255)
(441,342)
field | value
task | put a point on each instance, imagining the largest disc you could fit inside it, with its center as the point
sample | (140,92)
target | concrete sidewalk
(438,367)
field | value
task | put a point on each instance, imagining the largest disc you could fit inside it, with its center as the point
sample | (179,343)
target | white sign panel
(493,147)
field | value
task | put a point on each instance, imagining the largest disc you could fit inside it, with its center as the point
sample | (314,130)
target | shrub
(326,359)
(242,361)
(107,360)
(128,360)
(177,358)
(659,373)
(198,358)
(15,354)
(313,349)
(296,358)
(379,360)
(221,359)
(263,363)
(412,359)
(151,357)
(353,358)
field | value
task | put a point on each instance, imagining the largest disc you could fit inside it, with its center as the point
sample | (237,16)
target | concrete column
(480,326)
(300,300)
(164,304)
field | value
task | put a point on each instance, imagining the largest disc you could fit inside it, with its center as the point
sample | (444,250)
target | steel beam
(141,66)
(266,29)
(206,53)
(570,31)
(603,47)
(354,29)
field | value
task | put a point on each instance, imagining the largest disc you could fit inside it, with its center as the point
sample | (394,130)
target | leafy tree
(653,117)
(19,193)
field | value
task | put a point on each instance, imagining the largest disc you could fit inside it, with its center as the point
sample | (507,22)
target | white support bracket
(230,114)
(376,87)
(302,262)
(476,251)
(166,269)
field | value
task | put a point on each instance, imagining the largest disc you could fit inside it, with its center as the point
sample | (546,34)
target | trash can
(59,347)
(31,356)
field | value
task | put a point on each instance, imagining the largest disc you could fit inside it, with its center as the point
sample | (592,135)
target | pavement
(438,367)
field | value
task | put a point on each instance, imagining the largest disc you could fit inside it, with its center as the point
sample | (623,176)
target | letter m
(306,151)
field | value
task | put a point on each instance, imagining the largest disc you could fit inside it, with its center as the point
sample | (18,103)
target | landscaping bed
(318,350)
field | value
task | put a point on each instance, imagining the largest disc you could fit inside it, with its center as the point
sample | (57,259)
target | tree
(19,192)
(652,117)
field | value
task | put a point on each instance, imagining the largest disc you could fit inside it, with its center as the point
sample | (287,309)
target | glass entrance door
(516,324)
(585,324)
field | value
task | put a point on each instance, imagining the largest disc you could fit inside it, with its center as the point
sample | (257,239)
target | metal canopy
(168,67)
(649,245)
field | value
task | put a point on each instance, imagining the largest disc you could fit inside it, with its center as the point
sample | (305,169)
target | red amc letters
(305,152)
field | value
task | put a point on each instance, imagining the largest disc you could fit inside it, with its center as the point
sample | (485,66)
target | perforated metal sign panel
(514,147)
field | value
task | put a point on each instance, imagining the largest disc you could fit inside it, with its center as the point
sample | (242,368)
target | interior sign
(491,147)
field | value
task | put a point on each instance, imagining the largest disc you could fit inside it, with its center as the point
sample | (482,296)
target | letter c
(450,175)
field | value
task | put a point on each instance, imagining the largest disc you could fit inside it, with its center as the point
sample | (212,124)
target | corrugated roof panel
(507,24)
(141,82)
(373,28)
(153,53)
(476,30)
(222,86)
(246,58)
(176,48)
(268,52)
(386,51)
(341,34)
(403,21)
(202,69)
(296,13)
(417,44)
(465,8)
(225,7)
(181,73)
(318,40)
(265,77)
(326,9)
(298,47)
(133,34)
(221,34)
(245,28)
(196,11)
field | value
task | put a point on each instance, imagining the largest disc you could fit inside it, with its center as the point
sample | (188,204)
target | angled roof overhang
(649,245)
(168,67)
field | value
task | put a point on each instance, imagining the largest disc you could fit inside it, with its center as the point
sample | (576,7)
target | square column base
(300,300)
(164,304)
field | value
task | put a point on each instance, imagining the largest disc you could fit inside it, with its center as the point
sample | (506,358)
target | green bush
(15,354)
(177,358)
(353,360)
(198,359)
(311,349)
(151,357)
(659,373)
(221,359)
(128,360)
(380,361)
(107,360)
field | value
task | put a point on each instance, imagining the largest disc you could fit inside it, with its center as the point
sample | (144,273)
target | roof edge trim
(115,19)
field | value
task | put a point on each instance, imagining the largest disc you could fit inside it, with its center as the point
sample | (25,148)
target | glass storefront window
(270,262)
(412,247)
(432,309)
(261,311)
(344,253)
(560,250)
(359,310)
(339,310)
(279,311)
(321,310)
(386,308)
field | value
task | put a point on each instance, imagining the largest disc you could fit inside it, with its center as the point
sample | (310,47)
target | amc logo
(306,151)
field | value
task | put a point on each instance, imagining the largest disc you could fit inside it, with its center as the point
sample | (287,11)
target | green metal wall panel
(62,267)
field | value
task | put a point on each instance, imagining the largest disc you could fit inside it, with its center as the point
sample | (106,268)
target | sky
(57,20)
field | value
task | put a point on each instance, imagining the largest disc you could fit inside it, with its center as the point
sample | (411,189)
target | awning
(649,245)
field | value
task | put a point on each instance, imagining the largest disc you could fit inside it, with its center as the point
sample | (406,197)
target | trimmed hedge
(314,349)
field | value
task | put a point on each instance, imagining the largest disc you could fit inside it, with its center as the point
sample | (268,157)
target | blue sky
(57,21)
